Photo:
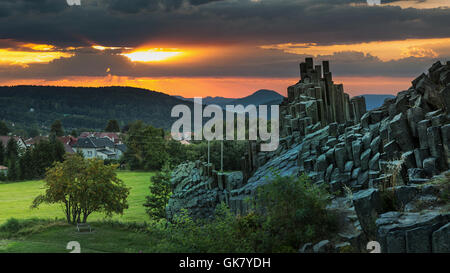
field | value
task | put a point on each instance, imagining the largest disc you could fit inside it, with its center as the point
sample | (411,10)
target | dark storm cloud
(131,23)
(242,23)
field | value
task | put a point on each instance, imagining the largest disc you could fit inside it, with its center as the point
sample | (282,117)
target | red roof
(3,168)
(68,140)
(35,140)
(115,137)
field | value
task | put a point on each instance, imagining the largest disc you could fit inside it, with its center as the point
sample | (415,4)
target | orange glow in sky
(384,50)
(225,87)
(427,4)
(31,53)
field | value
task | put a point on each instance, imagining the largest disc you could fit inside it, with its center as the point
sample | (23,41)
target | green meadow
(16,198)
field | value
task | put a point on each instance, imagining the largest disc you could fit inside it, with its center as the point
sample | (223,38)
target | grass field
(53,238)
(16,198)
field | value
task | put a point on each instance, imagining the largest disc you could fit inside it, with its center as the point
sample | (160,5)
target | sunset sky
(227,48)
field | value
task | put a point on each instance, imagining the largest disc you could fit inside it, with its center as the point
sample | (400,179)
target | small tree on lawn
(84,186)
(160,190)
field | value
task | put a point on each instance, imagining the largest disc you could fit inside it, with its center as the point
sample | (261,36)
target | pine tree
(26,168)
(57,129)
(113,126)
(13,172)
(2,154)
(4,130)
(58,150)
(12,150)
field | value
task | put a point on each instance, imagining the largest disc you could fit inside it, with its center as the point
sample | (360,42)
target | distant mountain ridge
(209,100)
(260,97)
(376,100)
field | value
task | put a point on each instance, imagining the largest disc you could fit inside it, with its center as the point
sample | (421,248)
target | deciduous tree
(84,186)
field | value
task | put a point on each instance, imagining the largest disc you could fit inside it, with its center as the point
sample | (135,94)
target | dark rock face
(334,141)
(441,240)
(412,232)
(198,188)
(367,206)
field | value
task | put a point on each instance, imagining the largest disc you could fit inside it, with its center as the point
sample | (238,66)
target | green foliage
(13,169)
(160,191)
(233,151)
(57,129)
(146,147)
(288,212)
(444,192)
(12,225)
(84,186)
(40,157)
(12,149)
(388,201)
(82,107)
(2,154)
(33,132)
(4,130)
(17,228)
(220,235)
(26,166)
(294,212)
(112,126)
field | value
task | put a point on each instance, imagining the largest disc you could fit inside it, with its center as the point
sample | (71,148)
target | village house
(3,170)
(114,137)
(67,141)
(96,147)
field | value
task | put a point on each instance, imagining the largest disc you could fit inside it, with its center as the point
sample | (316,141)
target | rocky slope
(386,167)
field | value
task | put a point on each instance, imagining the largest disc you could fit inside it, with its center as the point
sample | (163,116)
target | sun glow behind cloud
(28,57)
(152,55)
(17,53)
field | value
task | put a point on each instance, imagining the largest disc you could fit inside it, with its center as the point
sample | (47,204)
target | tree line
(150,148)
(31,162)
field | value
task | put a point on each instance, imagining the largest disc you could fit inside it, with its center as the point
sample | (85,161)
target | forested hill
(83,107)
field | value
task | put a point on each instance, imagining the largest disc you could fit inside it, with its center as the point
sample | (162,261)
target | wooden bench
(81,226)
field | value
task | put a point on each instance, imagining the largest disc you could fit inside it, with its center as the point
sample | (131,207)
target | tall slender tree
(2,154)
(112,126)
(57,128)
(13,170)
(4,130)
(12,150)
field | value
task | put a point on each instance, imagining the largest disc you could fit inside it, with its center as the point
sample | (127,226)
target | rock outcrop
(199,188)
(393,150)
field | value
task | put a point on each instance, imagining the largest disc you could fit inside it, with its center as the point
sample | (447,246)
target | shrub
(294,212)
(160,191)
(12,225)
(16,228)
(220,235)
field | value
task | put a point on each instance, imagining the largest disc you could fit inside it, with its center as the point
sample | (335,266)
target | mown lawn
(16,198)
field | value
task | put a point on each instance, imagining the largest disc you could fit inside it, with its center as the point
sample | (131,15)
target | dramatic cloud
(132,23)
(48,40)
